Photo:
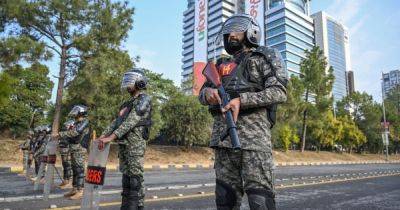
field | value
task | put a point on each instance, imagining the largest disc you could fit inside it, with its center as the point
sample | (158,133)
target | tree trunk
(303,135)
(60,87)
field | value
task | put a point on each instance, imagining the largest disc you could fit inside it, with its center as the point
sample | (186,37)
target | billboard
(256,8)
(200,44)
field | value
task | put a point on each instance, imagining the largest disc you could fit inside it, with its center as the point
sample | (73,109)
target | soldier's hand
(233,105)
(106,140)
(212,96)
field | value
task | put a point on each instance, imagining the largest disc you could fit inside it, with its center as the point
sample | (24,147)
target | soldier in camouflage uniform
(66,156)
(255,79)
(40,148)
(130,131)
(25,147)
(77,137)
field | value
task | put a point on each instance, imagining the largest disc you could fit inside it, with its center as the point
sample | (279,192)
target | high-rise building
(289,28)
(350,82)
(286,26)
(216,12)
(332,38)
(390,81)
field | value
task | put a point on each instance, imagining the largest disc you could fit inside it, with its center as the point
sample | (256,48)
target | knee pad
(131,185)
(261,199)
(225,195)
(135,183)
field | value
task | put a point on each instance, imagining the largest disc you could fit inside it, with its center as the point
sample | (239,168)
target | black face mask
(233,46)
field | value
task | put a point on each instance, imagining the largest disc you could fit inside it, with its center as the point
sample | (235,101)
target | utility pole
(385,130)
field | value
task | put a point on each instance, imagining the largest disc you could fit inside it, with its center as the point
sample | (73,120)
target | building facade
(286,26)
(332,38)
(390,80)
(350,82)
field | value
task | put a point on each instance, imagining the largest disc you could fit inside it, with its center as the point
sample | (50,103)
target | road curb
(18,169)
(333,163)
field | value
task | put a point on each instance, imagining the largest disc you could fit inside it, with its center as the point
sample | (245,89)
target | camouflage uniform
(251,169)
(40,148)
(25,147)
(65,158)
(132,146)
(75,137)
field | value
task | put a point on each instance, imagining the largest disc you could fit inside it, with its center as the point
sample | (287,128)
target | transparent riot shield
(42,168)
(51,148)
(26,164)
(95,174)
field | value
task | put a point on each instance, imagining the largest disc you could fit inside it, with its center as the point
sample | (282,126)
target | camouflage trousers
(66,162)
(131,164)
(243,170)
(26,159)
(38,162)
(78,154)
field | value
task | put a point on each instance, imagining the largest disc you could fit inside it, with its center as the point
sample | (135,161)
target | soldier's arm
(202,93)
(76,131)
(274,91)
(109,129)
(137,113)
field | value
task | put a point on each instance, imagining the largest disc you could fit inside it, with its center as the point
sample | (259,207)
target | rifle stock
(211,73)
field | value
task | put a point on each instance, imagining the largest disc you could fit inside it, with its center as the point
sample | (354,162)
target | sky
(374,31)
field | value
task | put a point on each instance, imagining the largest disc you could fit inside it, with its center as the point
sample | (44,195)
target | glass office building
(290,30)
(332,37)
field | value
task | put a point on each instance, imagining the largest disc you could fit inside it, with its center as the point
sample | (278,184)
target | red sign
(51,159)
(95,175)
(226,68)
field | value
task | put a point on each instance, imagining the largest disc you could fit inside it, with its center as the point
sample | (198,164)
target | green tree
(317,82)
(392,105)
(97,85)
(31,90)
(72,29)
(352,137)
(5,88)
(187,122)
(160,90)
(366,114)
(287,136)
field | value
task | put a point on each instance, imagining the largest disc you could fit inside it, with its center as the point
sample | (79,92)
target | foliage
(187,122)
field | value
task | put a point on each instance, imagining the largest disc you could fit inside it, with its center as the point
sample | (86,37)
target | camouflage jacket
(128,132)
(75,135)
(41,146)
(26,144)
(253,129)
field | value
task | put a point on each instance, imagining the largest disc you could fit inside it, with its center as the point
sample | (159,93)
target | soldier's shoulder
(268,53)
(143,104)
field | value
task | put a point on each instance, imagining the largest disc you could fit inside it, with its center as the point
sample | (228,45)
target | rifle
(121,118)
(211,73)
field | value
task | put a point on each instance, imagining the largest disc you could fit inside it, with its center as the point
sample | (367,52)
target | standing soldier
(130,130)
(25,147)
(76,136)
(32,146)
(41,148)
(65,157)
(255,79)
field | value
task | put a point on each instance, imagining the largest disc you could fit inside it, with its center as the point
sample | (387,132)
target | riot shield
(51,149)
(42,167)
(26,165)
(95,174)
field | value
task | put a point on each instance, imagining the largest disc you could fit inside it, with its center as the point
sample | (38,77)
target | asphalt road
(372,186)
